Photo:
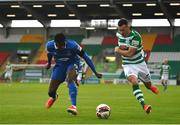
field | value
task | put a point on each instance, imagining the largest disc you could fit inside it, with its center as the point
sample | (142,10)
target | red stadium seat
(110,41)
(163,40)
(4,56)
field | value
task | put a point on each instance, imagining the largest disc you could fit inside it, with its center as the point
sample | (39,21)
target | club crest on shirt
(135,43)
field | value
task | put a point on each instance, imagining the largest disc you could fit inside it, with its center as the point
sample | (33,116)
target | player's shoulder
(71,43)
(50,45)
(136,33)
(118,34)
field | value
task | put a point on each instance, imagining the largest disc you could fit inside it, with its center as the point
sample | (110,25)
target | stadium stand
(10,49)
(77,38)
(164,39)
(92,41)
(11,39)
(4,56)
(148,41)
(13,47)
(110,41)
(168,44)
(35,38)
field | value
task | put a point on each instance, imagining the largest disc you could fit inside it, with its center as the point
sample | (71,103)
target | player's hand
(116,49)
(78,82)
(98,75)
(48,66)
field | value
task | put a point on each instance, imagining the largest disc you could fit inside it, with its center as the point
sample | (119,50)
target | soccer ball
(103,111)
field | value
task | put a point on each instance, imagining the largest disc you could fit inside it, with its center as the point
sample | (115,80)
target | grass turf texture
(24,103)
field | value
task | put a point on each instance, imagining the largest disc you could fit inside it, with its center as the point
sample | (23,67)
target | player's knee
(133,80)
(71,77)
(70,80)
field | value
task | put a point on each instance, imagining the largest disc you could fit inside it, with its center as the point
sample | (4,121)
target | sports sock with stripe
(138,94)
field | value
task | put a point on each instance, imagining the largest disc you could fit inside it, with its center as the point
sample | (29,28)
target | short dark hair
(60,37)
(122,21)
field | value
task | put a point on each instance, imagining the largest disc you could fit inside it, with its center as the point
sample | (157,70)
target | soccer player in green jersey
(8,72)
(164,72)
(131,50)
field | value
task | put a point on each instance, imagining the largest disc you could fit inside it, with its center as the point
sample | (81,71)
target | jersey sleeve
(49,48)
(135,42)
(77,47)
(161,70)
(118,36)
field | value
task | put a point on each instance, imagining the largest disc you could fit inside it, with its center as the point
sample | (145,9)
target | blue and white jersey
(67,55)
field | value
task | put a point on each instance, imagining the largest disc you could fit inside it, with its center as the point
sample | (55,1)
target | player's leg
(131,72)
(165,85)
(53,86)
(58,76)
(138,93)
(145,77)
(10,77)
(162,82)
(71,78)
(165,82)
(6,76)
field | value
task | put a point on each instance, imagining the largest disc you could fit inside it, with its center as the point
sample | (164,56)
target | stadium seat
(13,47)
(166,44)
(35,38)
(4,56)
(148,41)
(92,41)
(163,40)
(110,41)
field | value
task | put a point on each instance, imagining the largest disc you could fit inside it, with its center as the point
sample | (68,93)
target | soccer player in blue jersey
(66,54)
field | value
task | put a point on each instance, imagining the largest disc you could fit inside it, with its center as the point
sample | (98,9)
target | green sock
(139,95)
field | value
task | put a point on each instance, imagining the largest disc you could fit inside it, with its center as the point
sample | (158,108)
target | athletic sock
(163,83)
(139,95)
(165,86)
(72,92)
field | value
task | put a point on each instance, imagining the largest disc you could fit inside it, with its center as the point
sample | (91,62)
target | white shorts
(165,77)
(8,75)
(136,69)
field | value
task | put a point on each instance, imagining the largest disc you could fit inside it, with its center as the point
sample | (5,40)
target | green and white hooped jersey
(9,68)
(165,69)
(133,40)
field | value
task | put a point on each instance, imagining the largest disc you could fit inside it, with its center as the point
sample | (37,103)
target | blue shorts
(60,71)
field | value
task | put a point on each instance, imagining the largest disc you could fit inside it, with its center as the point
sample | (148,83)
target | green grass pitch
(25,103)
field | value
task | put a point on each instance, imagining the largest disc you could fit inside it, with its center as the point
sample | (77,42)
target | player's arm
(128,53)
(86,58)
(89,62)
(134,44)
(49,57)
